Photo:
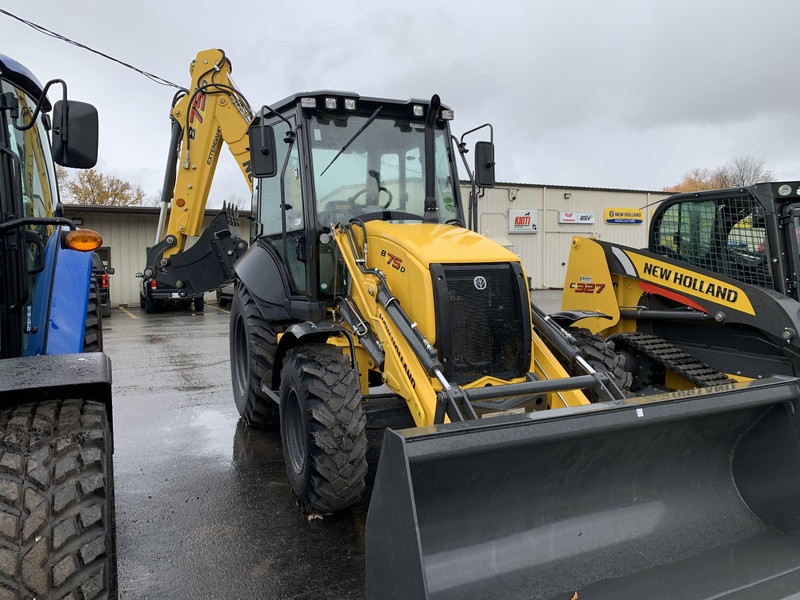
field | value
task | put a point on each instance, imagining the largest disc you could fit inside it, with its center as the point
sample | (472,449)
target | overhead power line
(58,36)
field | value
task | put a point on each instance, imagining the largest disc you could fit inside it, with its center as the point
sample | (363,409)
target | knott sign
(523,221)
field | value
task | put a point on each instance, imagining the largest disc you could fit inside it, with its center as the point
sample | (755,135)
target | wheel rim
(294,432)
(240,355)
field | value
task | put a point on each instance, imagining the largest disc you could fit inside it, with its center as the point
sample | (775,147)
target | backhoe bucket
(694,497)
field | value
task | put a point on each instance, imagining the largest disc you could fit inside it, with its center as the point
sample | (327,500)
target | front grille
(482,328)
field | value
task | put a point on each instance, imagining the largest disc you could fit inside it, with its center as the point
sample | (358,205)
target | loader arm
(211,112)
(412,367)
(408,370)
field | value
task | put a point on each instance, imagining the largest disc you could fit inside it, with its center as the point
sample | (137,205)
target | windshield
(33,149)
(382,169)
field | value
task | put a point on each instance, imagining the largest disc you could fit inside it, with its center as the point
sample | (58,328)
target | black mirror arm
(267,110)
(40,103)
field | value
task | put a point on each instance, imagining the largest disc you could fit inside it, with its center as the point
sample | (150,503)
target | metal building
(537,222)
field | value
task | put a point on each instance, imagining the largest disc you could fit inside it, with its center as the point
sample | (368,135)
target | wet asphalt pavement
(204,508)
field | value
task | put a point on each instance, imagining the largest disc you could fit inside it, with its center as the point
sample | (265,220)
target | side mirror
(75,134)
(263,161)
(140,275)
(484,164)
(110,270)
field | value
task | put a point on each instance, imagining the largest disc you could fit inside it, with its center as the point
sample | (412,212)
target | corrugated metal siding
(544,254)
(128,237)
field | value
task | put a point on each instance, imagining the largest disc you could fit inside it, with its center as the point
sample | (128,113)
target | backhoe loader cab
(338,157)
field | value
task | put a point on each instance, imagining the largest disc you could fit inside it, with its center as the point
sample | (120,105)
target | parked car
(225,295)
(154,296)
(100,272)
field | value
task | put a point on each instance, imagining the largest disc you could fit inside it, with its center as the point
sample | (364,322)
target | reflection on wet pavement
(204,508)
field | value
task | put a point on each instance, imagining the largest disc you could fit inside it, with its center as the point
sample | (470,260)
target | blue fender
(69,302)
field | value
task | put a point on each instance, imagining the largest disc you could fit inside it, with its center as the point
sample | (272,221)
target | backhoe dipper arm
(211,112)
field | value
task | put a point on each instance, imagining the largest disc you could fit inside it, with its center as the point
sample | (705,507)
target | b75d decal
(393,261)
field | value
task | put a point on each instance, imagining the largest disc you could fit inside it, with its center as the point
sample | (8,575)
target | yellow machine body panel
(406,251)
(591,286)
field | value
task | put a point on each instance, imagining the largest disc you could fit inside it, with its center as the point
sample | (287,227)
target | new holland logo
(480,282)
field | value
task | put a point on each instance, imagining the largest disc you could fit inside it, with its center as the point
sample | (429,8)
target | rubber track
(670,357)
(56,502)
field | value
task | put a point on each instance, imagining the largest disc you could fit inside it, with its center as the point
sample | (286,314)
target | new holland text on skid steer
(363,299)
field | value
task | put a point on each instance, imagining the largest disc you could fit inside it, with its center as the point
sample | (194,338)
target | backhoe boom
(212,111)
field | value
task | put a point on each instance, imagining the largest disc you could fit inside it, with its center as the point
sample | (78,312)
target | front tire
(253,343)
(199,304)
(601,357)
(323,428)
(57,501)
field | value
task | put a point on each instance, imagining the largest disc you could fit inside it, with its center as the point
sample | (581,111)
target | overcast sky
(625,94)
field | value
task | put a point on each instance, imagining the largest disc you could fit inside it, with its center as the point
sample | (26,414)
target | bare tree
(741,171)
(747,170)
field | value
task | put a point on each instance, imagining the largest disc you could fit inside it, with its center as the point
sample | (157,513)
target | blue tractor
(56,486)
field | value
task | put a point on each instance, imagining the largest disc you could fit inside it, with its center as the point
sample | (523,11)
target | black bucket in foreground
(659,498)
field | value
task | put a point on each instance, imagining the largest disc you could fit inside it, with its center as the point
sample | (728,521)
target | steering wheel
(354,204)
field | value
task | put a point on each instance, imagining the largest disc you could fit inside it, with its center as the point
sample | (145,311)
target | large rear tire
(57,502)
(93,330)
(253,342)
(199,304)
(323,428)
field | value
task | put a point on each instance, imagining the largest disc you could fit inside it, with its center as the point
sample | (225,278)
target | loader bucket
(695,496)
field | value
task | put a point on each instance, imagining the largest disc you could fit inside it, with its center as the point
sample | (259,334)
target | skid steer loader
(363,300)
(716,291)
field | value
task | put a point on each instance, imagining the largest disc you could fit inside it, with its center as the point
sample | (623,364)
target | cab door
(27,190)
(282,223)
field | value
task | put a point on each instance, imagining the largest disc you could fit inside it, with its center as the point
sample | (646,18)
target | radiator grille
(482,329)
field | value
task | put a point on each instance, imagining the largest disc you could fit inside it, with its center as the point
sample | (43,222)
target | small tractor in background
(56,488)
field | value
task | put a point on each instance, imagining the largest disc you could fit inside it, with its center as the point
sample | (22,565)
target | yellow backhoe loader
(363,300)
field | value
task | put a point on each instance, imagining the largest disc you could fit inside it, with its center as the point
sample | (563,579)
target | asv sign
(523,221)
(586,218)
